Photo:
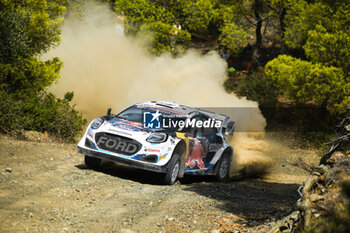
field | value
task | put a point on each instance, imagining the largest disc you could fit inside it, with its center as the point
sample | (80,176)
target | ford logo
(117,144)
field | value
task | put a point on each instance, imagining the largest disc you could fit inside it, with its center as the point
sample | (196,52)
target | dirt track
(45,187)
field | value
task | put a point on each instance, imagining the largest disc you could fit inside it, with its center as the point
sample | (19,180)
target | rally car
(162,137)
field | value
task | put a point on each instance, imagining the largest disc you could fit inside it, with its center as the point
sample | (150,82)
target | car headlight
(157,138)
(97,123)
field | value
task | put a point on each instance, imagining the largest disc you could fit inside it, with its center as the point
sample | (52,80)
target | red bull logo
(196,154)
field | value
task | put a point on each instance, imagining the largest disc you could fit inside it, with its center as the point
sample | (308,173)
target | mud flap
(182,166)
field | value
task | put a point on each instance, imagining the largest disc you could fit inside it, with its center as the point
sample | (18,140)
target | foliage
(14,41)
(321,29)
(164,37)
(233,37)
(258,88)
(243,20)
(159,16)
(29,75)
(331,49)
(41,113)
(27,30)
(304,81)
(303,16)
(198,15)
(43,20)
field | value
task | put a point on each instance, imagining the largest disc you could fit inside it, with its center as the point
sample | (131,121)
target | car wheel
(223,169)
(92,162)
(173,170)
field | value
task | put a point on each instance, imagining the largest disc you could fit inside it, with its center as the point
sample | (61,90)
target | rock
(126,231)
(171,219)
(215,231)
(30,215)
(8,169)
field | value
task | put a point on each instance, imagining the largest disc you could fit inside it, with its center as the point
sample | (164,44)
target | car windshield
(136,114)
(133,113)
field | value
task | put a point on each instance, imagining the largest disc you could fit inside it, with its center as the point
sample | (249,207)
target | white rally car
(161,137)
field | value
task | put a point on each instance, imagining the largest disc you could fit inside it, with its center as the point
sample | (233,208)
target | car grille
(117,144)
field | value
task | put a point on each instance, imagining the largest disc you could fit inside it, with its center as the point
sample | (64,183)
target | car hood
(126,125)
(124,128)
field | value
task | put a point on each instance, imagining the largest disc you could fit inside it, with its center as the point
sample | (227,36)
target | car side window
(209,131)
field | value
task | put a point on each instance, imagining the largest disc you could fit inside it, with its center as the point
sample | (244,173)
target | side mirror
(230,128)
(108,116)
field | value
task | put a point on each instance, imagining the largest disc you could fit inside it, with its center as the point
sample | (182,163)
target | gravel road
(45,187)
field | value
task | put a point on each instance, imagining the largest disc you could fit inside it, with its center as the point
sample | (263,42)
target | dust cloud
(107,69)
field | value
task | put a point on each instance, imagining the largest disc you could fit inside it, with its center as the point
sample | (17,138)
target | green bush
(256,87)
(27,30)
(43,112)
(303,81)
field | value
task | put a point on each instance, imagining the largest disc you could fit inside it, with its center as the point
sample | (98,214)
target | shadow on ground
(142,176)
(252,199)
(127,173)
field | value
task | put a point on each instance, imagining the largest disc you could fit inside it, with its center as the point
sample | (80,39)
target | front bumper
(133,163)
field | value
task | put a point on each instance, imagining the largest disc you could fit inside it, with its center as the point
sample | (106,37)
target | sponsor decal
(90,133)
(120,132)
(128,125)
(196,154)
(163,156)
(152,150)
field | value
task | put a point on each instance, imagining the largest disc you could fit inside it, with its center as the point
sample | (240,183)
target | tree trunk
(258,25)
(283,29)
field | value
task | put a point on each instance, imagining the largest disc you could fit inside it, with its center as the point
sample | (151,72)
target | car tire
(92,162)
(223,169)
(173,170)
